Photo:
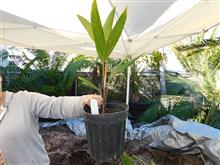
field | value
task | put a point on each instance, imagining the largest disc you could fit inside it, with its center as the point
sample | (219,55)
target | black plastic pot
(137,108)
(106,132)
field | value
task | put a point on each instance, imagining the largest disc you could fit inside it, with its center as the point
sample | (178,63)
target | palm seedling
(105,39)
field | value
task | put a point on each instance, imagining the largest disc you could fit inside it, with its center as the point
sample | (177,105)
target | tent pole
(127,95)
(128,84)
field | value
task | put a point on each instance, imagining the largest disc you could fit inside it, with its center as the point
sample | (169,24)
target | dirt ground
(64,148)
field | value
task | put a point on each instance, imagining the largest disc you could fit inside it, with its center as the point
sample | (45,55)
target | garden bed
(65,148)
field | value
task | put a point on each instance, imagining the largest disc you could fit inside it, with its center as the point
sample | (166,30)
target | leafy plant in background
(155,61)
(45,74)
(76,65)
(201,59)
(3,55)
(180,106)
(144,85)
(38,75)
(53,75)
(176,85)
(105,39)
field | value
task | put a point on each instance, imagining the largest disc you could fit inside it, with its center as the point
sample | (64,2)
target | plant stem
(104,84)
(210,114)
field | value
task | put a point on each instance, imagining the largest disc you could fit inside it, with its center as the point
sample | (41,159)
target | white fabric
(150,24)
(2,112)
(20,140)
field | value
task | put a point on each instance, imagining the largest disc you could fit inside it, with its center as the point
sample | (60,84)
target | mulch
(65,148)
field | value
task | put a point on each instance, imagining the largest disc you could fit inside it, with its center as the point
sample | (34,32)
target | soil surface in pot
(115,108)
(64,148)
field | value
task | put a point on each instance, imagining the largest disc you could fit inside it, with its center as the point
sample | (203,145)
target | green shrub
(154,112)
(179,106)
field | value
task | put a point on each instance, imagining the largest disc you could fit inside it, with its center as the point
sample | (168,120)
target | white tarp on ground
(169,134)
(150,24)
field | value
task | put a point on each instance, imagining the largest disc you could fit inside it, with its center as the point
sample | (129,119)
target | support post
(163,90)
(127,94)
(128,84)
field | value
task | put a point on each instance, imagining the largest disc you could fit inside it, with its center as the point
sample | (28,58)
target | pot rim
(104,115)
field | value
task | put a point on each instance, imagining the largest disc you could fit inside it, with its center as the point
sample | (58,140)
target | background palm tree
(156,63)
(202,60)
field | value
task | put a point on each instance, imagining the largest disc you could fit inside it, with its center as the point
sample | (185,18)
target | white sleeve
(56,107)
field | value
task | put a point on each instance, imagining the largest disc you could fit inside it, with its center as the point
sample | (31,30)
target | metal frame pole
(128,84)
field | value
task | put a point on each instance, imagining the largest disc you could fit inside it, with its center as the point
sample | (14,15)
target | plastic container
(106,132)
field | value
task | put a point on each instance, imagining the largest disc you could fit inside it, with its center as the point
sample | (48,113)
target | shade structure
(53,25)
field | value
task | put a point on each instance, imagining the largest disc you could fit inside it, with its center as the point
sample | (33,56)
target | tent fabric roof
(150,24)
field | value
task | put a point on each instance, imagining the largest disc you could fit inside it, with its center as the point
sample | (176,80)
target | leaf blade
(115,33)
(127,160)
(122,66)
(87,25)
(98,32)
(75,65)
(88,83)
(108,24)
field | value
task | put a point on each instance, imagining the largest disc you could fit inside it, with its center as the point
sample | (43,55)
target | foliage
(88,83)
(44,81)
(154,60)
(201,45)
(144,84)
(149,86)
(183,100)
(182,85)
(130,160)
(213,117)
(180,106)
(76,65)
(156,63)
(41,60)
(202,60)
(154,112)
(44,73)
(39,76)
(127,160)
(105,39)
(175,85)
(3,54)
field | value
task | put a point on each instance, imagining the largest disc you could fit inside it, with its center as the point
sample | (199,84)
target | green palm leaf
(122,66)
(98,32)
(88,83)
(108,24)
(78,63)
(87,25)
(116,33)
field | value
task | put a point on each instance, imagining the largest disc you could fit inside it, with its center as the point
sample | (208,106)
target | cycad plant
(44,74)
(105,39)
(38,75)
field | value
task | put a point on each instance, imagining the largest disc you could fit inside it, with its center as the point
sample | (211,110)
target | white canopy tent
(150,24)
